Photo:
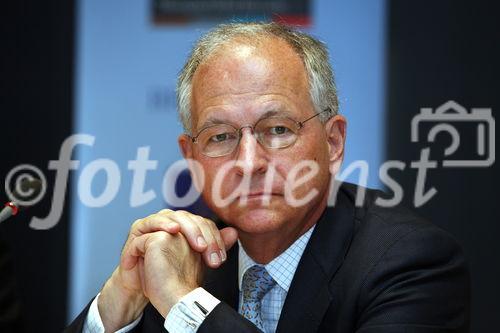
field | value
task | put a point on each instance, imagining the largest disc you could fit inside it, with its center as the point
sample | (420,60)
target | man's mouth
(258,195)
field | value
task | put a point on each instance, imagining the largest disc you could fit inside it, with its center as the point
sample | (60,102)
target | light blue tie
(256,283)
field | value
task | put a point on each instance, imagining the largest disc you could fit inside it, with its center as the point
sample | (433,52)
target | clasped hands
(162,260)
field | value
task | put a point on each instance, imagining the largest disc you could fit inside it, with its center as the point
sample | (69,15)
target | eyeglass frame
(300,125)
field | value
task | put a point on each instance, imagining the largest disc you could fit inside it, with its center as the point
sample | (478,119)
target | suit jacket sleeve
(77,325)
(224,319)
(420,284)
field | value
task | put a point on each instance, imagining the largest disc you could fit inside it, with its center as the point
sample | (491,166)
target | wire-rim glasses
(275,132)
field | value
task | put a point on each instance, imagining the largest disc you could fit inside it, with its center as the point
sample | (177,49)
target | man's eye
(278,130)
(219,137)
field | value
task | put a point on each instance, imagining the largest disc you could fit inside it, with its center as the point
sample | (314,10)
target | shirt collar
(283,267)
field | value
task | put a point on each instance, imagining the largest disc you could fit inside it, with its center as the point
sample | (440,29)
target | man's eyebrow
(272,113)
(212,121)
(217,121)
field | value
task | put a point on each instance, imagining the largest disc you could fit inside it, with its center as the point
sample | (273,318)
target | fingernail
(214,258)
(201,241)
(172,225)
(223,255)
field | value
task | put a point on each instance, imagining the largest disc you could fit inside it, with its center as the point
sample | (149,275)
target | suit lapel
(309,296)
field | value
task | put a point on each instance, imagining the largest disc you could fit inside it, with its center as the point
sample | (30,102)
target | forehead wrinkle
(225,99)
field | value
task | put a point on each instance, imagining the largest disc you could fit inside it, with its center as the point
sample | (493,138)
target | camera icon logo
(446,118)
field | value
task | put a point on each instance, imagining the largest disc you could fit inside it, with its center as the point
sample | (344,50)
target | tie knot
(256,283)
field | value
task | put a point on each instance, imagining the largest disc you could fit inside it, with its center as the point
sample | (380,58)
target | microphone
(27,187)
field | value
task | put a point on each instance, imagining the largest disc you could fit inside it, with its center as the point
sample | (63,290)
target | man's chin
(256,220)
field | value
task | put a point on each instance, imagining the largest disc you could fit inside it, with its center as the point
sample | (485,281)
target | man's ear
(185,144)
(335,129)
(195,168)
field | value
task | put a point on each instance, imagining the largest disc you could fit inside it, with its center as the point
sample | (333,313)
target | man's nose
(251,156)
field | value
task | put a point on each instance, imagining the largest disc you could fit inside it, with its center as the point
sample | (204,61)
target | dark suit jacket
(365,269)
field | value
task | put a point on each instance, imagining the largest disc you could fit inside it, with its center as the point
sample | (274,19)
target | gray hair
(313,53)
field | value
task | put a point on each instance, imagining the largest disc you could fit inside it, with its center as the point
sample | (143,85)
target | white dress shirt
(188,314)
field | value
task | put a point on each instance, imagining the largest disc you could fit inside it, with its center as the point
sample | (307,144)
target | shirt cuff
(93,322)
(188,314)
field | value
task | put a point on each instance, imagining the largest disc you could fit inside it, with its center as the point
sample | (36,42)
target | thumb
(229,236)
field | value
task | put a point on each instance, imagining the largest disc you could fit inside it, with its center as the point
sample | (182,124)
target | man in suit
(264,141)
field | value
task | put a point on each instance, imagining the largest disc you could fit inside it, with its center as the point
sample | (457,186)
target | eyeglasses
(271,132)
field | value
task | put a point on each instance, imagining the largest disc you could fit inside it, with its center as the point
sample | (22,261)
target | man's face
(240,85)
